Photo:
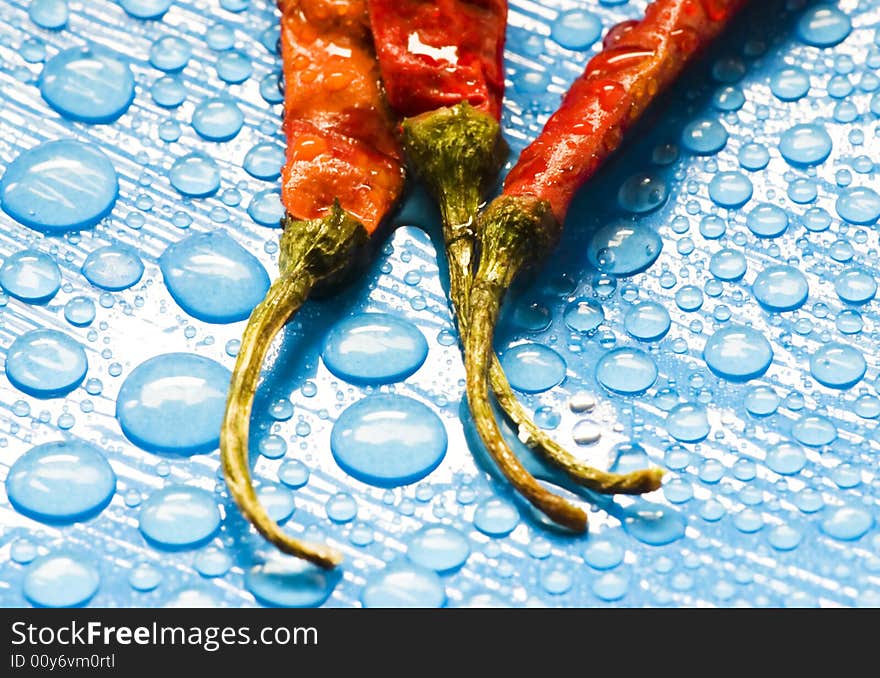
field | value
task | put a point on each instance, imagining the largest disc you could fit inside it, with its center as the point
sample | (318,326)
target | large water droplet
(786,458)
(653,524)
(496,517)
(30,276)
(374,348)
(767,221)
(46,363)
(59,186)
(196,175)
(805,144)
(404,585)
(49,14)
(848,523)
(533,368)
(60,580)
(688,423)
(146,9)
(115,267)
(179,517)
(780,288)
(388,440)
(626,370)
(859,205)
(855,286)
(439,548)
(285,581)
(838,365)
(174,403)
(217,119)
(738,353)
(624,249)
(704,137)
(823,25)
(264,161)
(61,482)
(730,189)
(642,193)
(647,321)
(583,315)
(213,278)
(576,29)
(87,84)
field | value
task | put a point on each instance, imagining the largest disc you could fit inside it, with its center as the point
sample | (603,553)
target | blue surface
(722,208)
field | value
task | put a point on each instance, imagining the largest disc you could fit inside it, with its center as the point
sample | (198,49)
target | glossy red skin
(342,139)
(638,61)
(417,82)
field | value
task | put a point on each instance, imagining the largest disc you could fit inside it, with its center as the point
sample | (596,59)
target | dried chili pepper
(343,174)
(639,60)
(442,64)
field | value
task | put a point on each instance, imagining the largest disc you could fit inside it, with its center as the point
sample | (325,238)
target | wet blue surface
(710,310)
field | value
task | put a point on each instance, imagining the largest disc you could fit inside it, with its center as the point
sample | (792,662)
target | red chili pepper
(439,53)
(639,60)
(442,63)
(342,176)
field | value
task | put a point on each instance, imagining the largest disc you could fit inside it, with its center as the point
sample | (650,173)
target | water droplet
(761,401)
(688,423)
(439,548)
(264,161)
(805,144)
(233,67)
(213,278)
(46,363)
(170,53)
(146,9)
(285,581)
(786,458)
(653,524)
(61,482)
(752,157)
(642,193)
(374,348)
(174,403)
(49,14)
(647,321)
(533,368)
(728,265)
(784,538)
(767,221)
(196,175)
(814,431)
(837,365)
(217,119)
(628,371)
(293,473)
(847,523)
(179,517)
(610,586)
(624,249)
(211,562)
(30,276)
(730,189)
(114,268)
(823,25)
(60,580)
(855,286)
(583,315)
(266,209)
(780,288)
(341,508)
(738,353)
(496,517)
(790,83)
(168,92)
(59,186)
(859,205)
(704,137)
(388,440)
(404,585)
(576,29)
(603,554)
(277,500)
(87,84)
(144,577)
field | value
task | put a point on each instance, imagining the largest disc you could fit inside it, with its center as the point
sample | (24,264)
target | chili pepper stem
(457,150)
(311,252)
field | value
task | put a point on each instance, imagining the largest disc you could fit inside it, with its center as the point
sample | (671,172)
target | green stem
(457,151)
(311,252)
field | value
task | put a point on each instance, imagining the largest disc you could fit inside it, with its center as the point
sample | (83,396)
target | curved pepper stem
(459,151)
(311,252)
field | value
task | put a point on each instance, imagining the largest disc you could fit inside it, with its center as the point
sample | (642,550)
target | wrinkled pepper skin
(440,53)
(639,60)
(342,140)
